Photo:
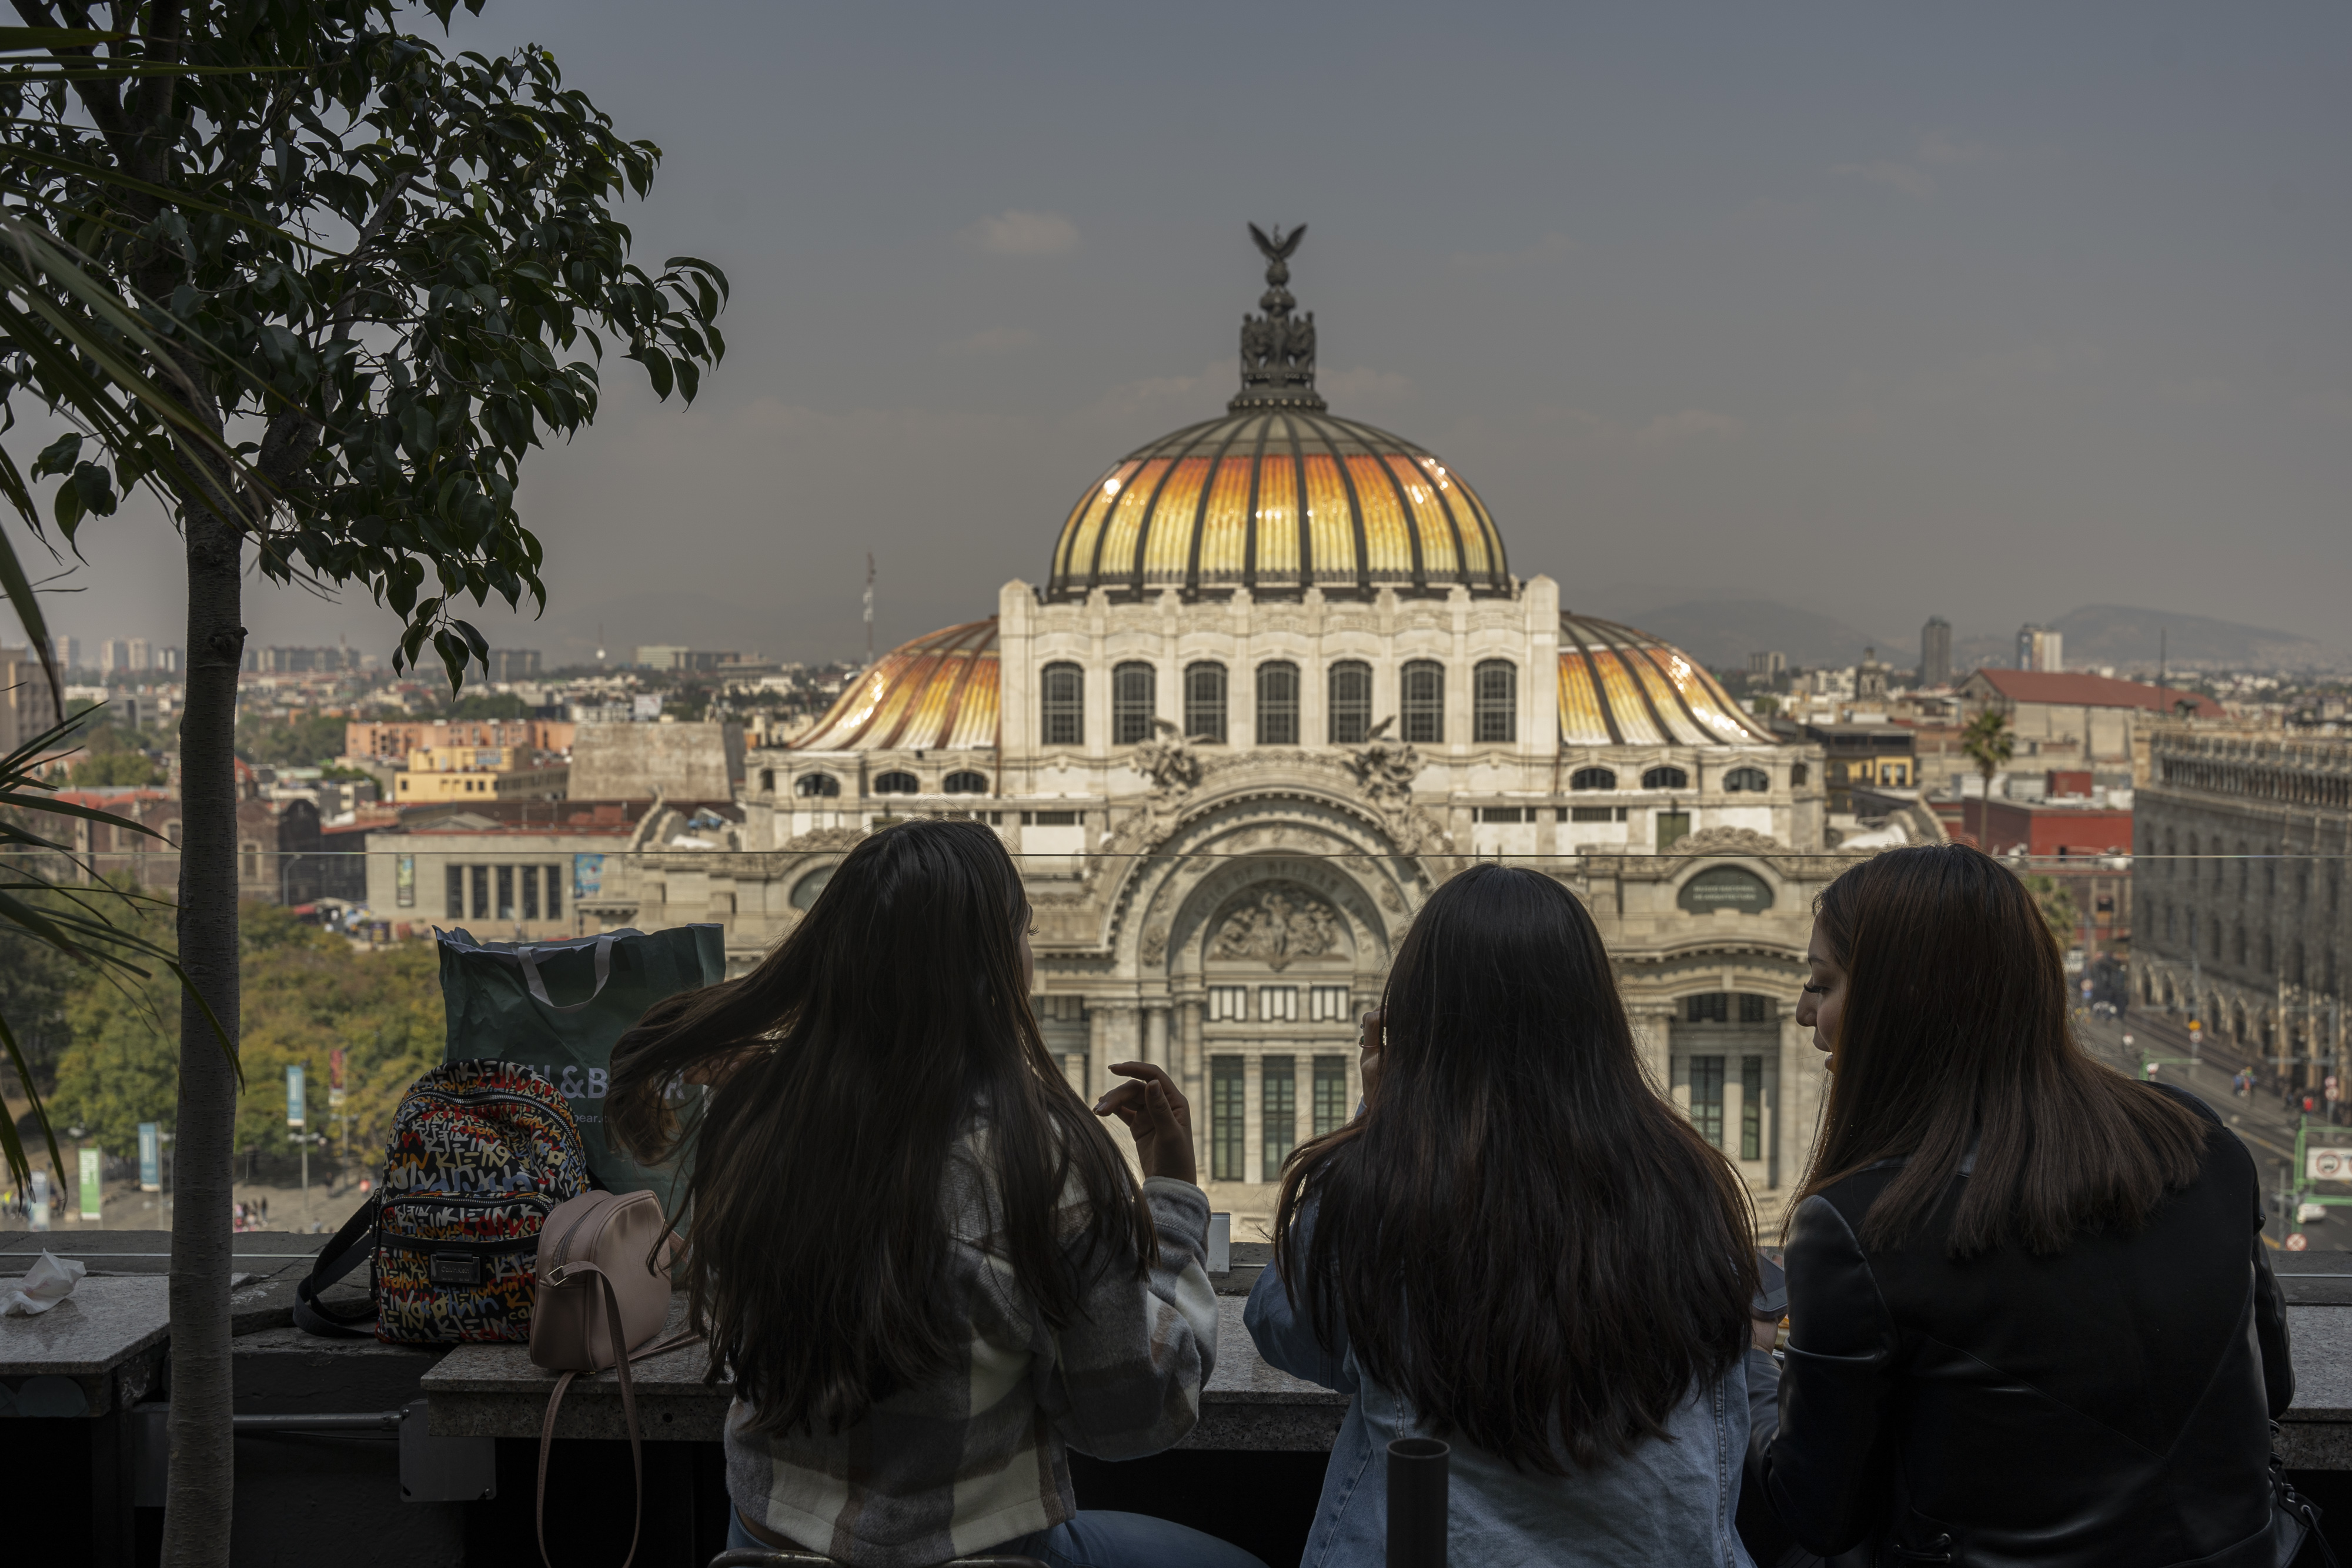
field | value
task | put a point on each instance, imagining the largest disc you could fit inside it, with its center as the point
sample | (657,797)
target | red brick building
(2087,848)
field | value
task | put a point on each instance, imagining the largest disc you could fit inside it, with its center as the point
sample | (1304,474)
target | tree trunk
(199,1497)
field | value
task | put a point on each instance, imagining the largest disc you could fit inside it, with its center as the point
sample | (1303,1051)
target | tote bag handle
(530,956)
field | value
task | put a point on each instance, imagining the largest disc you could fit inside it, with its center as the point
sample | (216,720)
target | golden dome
(1622,687)
(1276,500)
(937,691)
(1278,496)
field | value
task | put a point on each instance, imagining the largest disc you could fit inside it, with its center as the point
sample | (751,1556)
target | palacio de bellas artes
(1280,681)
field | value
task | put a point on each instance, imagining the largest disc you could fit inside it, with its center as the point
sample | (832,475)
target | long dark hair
(860,1048)
(1520,1236)
(1955,1035)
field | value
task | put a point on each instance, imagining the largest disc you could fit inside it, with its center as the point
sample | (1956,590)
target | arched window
(1666,777)
(1593,778)
(249,860)
(1134,702)
(1278,703)
(1063,690)
(965,782)
(1753,780)
(172,837)
(817,786)
(1495,702)
(1421,702)
(768,780)
(1204,701)
(1797,774)
(896,783)
(1351,702)
(804,891)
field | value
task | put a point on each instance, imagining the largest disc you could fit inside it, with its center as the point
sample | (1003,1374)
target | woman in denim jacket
(1517,1246)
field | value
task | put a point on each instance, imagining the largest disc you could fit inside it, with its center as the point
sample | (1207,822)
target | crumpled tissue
(50,1281)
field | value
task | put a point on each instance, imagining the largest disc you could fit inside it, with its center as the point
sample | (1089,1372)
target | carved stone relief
(1275,925)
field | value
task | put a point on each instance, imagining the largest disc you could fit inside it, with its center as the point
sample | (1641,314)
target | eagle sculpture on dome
(1279,248)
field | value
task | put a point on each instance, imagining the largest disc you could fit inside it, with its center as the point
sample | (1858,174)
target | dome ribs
(1250,507)
(1666,696)
(1232,430)
(916,695)
(1202,510)
(1144,520)
(1443,482)
(1623,689)
(1593,694)
(1356,521)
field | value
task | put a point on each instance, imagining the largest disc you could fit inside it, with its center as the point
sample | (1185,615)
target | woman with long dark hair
(924,1262)
(1519,1247)
(2030,1321)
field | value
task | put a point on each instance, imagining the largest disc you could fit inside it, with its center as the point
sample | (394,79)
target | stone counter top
(494,1391)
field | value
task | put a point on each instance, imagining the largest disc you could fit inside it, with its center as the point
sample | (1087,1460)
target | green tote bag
(560,1007)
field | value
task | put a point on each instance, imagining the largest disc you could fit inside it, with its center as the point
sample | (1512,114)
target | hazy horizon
(1877,315)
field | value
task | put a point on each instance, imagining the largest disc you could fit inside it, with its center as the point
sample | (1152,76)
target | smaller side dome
(936,692)
(1622,687)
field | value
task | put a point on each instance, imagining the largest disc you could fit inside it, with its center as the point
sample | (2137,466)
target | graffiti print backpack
(482,1152)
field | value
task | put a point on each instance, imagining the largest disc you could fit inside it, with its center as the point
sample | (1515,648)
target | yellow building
(444,773)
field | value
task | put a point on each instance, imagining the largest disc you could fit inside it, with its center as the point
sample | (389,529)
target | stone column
(1097,1050)
(1155,1041)
(1191,1076)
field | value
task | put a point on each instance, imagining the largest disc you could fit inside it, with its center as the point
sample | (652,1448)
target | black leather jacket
(2106,1407)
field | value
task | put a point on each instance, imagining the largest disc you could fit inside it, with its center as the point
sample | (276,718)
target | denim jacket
(1669,1502)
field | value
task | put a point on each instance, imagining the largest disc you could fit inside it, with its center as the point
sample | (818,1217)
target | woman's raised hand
(1157,1116)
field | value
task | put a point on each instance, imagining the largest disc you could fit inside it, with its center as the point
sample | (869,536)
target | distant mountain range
(1722,632)
(2123,635)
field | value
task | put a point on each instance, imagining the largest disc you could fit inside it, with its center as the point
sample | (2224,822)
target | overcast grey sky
(1985,311)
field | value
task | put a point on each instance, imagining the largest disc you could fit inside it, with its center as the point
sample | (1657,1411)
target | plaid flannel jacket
(976,1457)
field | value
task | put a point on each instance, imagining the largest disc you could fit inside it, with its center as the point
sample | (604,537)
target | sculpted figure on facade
(1168,761)
(1279,925)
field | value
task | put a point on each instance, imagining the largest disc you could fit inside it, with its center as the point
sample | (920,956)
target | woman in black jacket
(2030,1321)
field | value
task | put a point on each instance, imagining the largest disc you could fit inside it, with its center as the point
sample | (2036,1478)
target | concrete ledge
(494,1391)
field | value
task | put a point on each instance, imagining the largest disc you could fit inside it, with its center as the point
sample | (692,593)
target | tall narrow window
(554,891)
(1227,1090)
(1495,702)
(1277,1114)
(1351,702)
(1706,1097)
(1421,702)
(1330,1094)
(1134,702)
(1064,689)
(481,892)
(1204,702)
(528,876)
(1278,703)
(1751,1107)
(505,893)
(457,893)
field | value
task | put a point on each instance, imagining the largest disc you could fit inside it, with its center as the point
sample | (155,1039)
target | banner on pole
(294,1117)
(150,1157)
(89,1184)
